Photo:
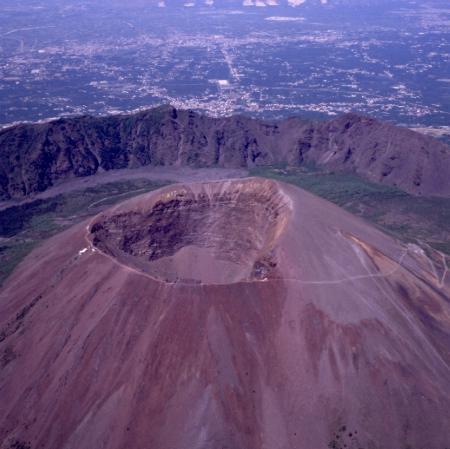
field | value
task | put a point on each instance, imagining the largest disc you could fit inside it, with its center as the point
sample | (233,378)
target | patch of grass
(14,219)
(12,254)
(404,216)
(44,215)
(24,227)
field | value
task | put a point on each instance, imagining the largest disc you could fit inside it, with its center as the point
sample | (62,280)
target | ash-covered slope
(34,157)
(239,314)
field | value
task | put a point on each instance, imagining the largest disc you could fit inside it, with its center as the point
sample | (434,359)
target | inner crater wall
(218,232)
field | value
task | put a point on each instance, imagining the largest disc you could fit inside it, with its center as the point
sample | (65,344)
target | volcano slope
(232,314)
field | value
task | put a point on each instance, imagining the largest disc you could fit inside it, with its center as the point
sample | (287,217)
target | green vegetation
(406,217)
(11,253)
(23,227)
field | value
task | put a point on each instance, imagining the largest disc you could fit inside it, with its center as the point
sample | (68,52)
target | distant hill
(33,157)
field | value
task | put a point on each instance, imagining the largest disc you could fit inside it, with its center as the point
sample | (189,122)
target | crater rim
(206,233)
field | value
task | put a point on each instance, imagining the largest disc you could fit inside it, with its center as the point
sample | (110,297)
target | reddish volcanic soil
(241,314)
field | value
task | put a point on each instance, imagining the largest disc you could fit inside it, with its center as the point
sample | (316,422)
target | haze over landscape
(225,224)
(265,58)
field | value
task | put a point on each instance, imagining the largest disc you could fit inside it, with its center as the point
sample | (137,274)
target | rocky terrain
(34,157)
(231,314)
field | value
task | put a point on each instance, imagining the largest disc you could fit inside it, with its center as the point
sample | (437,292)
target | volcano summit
(219,233)
(232,314)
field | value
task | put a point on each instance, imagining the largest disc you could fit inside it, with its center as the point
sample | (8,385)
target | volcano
(238,314)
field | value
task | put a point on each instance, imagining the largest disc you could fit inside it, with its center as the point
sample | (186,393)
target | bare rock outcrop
(33,157)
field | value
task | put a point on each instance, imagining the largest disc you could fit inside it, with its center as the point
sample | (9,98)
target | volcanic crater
(314,329)
(208,233)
